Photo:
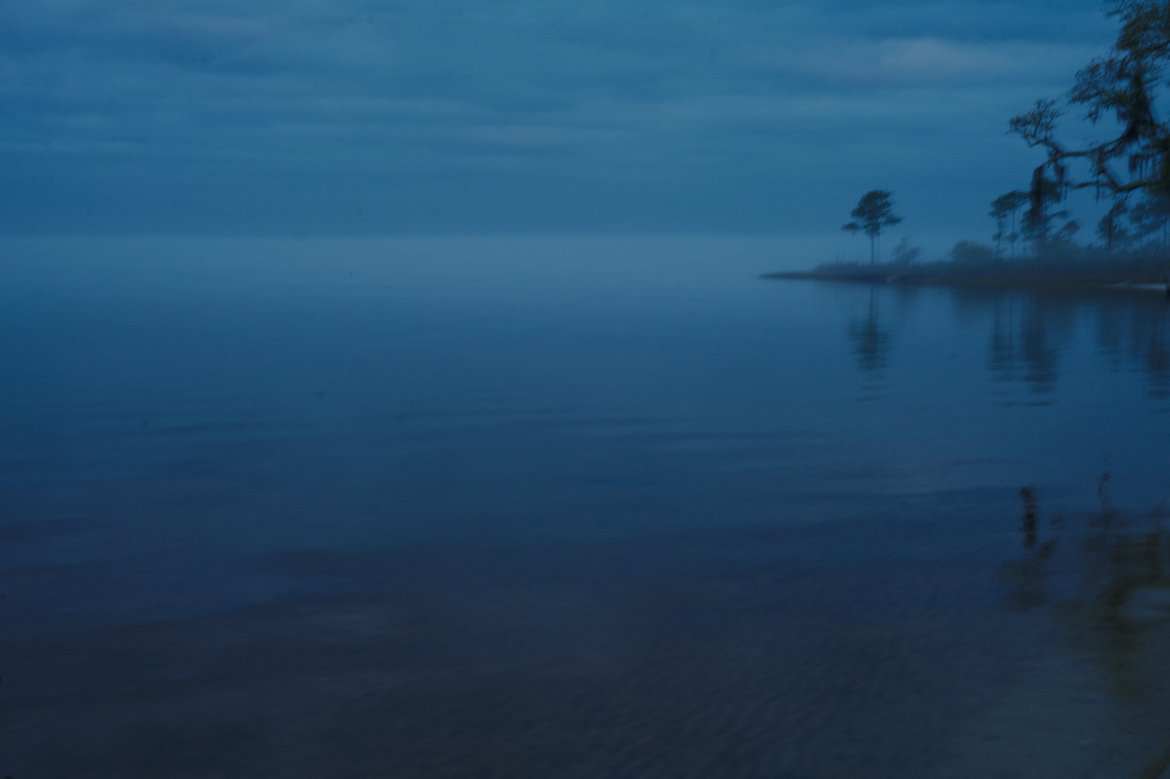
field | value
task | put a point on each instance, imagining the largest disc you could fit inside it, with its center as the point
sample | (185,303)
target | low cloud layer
(435,115)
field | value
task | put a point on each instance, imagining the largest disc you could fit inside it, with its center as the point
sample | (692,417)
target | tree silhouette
(1122,87)
(1039,216)
(1150,217)
(874,212)
(1111,227)
(1004,209)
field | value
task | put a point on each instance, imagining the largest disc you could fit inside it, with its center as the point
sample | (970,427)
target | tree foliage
(1004,210)
(906,253)
(972,253)
(1111,228)
(874,213)
(1150,218)
(1123,88)
(1045,195)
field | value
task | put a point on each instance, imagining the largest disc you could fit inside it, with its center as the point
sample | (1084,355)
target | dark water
(571,508)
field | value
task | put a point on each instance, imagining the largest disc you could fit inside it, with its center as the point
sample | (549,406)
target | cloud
(452,99)
(930,62)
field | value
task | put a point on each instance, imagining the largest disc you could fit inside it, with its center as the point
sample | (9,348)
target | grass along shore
(1122,275)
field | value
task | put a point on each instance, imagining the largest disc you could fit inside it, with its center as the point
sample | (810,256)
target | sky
(299,117)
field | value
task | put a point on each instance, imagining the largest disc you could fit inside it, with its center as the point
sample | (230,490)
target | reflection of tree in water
(1157,356)
(1108,582)
(1134,330)
(1004,349)
(870,339)
(1026,335)
(1040,355)
(1031,329)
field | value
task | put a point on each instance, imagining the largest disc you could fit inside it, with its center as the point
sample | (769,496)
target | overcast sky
(596,116)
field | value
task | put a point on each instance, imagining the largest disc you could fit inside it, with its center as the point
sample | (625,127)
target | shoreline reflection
(1028,331)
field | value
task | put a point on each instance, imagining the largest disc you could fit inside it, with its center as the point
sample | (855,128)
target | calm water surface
(571,508)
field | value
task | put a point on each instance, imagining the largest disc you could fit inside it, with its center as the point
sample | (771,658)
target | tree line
(1128,170)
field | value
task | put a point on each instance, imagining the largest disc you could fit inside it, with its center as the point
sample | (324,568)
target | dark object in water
(1028,526)
(1103,491)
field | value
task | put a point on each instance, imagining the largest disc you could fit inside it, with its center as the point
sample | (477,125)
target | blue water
(570,508)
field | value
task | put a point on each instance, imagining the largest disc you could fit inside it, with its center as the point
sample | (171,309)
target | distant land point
(1008,275)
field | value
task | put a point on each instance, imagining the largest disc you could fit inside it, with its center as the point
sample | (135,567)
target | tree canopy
(1003,210)
(1122,87)
(874,212)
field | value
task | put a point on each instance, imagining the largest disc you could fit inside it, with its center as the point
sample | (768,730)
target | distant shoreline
(1144,283)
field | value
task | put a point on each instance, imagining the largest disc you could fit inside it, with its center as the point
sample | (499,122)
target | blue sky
(517,116)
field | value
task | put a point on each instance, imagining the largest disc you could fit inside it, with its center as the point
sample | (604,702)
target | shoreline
(1101,283)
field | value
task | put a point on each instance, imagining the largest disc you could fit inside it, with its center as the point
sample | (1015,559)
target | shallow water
(571,508)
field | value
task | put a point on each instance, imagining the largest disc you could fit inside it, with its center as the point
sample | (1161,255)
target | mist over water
(570,507)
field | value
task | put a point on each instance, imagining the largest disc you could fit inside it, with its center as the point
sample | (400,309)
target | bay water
(571,507)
